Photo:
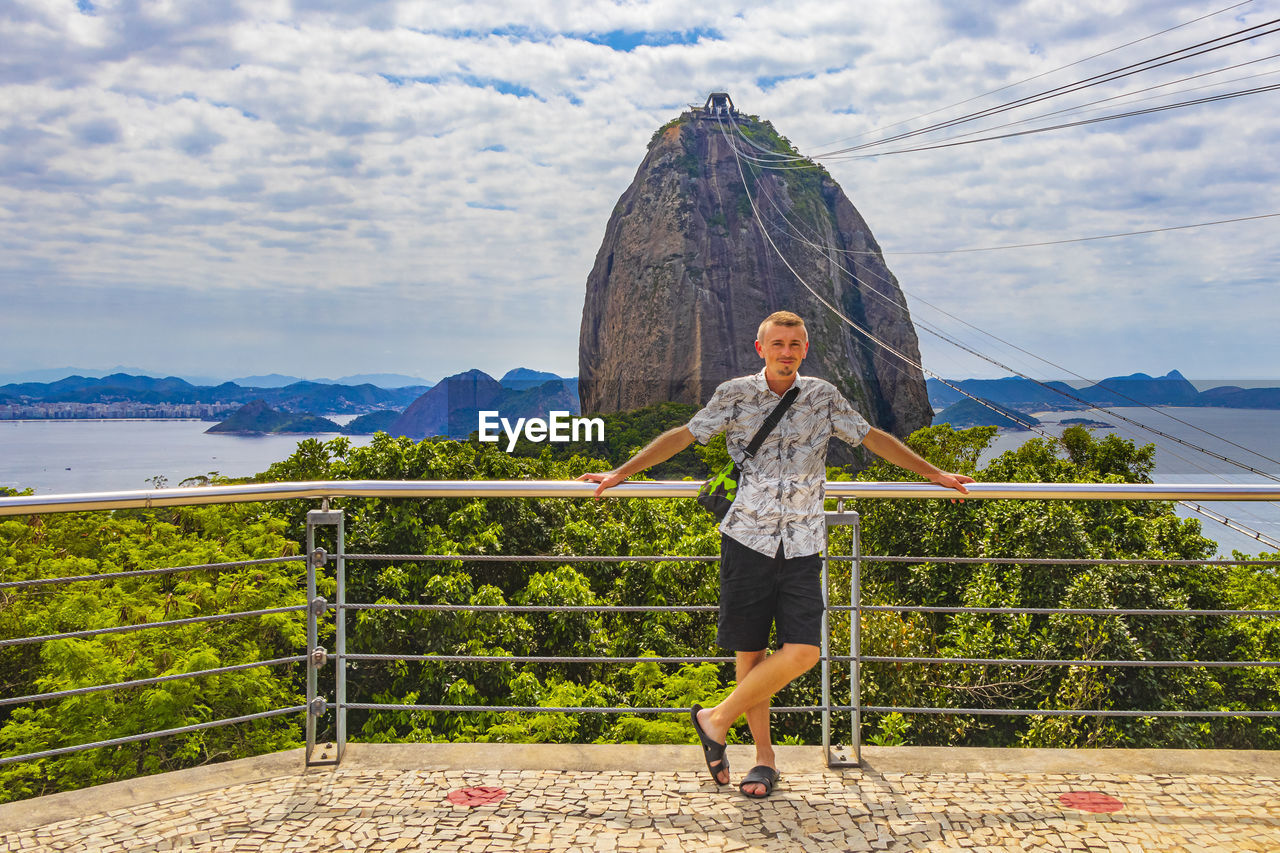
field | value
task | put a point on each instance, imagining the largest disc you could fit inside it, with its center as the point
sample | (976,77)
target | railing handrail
(250,492)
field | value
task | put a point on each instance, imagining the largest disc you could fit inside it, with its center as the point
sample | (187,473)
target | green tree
(91,543)
(1003,531)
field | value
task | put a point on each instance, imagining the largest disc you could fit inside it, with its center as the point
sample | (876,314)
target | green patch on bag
(718,493)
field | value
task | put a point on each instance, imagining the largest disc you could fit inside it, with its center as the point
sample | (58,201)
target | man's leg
(799,620)
(765,678)
(747,601)
(757,720)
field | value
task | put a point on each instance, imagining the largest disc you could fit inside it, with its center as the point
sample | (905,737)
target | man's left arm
(887,447)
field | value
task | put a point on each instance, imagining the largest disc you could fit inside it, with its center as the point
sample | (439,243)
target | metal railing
(249,493)
(142,682)
(317,559)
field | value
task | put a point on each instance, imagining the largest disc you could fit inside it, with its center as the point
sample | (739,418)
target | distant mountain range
(1137,389)
(381,380)
(449,408)
(296,397)
(970,413)
(452,407)
(271,380)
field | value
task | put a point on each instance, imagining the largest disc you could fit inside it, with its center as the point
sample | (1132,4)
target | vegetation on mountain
(379,421)
(257,418)
(507,532)
(982,412)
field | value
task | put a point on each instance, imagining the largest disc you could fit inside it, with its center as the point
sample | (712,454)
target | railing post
(855,638)
(839,518)
(317,657)
(826,638)
(340,640)
(312,635)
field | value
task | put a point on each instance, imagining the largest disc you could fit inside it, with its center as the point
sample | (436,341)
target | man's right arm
(660,449)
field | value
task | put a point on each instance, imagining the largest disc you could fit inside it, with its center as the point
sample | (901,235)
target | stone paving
(363,807)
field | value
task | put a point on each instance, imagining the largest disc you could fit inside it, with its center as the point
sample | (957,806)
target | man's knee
(803,656)
(747,661)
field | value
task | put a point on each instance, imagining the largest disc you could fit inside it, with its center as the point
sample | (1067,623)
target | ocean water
(1218,430)
(66,457)
(63,457)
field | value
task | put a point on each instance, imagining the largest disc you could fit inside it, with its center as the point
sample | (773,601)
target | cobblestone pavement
(617,810)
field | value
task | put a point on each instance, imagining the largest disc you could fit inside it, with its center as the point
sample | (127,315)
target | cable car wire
(1090,405)
(918,366)
(1179,55)
(1040,75)
(1081,123)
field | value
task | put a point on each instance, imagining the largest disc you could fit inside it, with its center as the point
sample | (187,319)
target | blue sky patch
(479,205)
(505,87)
(223,105)
(398,81)
(767,83)
(626,41)
(623,41)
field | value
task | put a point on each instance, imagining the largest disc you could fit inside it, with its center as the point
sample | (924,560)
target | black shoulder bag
(718,493)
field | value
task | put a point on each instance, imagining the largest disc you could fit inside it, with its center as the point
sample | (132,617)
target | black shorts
(756,591)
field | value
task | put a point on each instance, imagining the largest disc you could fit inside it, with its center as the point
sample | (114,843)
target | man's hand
(951,481)
(887,447)
(660,449)
(606,479)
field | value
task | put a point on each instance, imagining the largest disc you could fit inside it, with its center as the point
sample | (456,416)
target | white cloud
(385,164)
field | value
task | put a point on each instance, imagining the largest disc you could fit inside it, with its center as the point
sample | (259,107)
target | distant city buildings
(126,409)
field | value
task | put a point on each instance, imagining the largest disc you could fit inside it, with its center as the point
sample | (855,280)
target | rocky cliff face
(686,273)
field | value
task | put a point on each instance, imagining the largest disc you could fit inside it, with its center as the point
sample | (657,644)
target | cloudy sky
(323,188)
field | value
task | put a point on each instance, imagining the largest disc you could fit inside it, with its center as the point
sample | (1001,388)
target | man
(770,568)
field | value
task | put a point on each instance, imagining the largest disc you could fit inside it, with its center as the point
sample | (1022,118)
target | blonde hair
(781,318)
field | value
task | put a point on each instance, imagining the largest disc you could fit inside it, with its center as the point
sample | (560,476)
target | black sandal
(712,751)
(761,774)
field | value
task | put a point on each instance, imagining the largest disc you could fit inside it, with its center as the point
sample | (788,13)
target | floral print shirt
(780,491)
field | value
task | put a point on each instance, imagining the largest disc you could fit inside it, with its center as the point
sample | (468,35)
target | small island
(257,418)
(983,412)
(1085,422)
(379,421)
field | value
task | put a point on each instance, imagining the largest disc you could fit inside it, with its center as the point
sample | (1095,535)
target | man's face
(782,348)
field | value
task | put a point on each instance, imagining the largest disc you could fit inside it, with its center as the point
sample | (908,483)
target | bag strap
(772,421)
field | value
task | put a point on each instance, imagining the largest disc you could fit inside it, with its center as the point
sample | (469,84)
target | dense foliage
(1000,532)
(453,532)
(127,541)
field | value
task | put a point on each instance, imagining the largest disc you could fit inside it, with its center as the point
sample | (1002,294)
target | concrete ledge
(809,759)
(1083,762)
(26,814)
(369,758)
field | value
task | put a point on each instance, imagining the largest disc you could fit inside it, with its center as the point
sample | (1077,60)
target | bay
(1248,436)
(73,456)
